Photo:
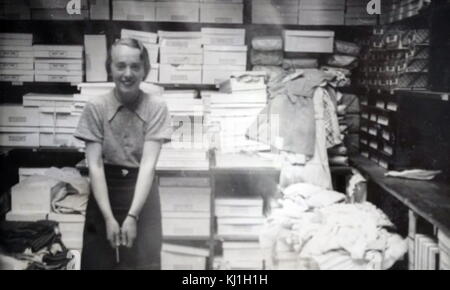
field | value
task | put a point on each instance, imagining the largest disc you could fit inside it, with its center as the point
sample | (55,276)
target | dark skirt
(146,251)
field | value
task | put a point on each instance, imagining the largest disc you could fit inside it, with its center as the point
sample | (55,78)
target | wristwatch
(133,216)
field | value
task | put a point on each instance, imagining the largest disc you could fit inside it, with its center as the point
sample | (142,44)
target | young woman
(124,131)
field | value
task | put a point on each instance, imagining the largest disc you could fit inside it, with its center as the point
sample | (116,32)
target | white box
(16,51)
(180,74)
(55,72)
(25,172)
(19,72)
(178,11)
(58,51)
(59,79)
(134,11)
(144,36)
(25,217)
(19,136)
(321,17)
(16,78)
(59,64)
(242,250)
(17,63)
(181,224)
(95,52)
(153,75)
(271,12)
(184,181)
(173,55)
(17,115)
(176,257)
(225,55)
(58,137)
(322,4)
(180,39)
(33,195)
(221,13)
(153,52)
(178,261)
(226,207)
(99,9)
(240,228)
(57,117)
(178,199)
(12,39)
(223,36)
(308,41)
(47,100)
(216,74)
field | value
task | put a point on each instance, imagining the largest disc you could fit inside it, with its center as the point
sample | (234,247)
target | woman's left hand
(128,232)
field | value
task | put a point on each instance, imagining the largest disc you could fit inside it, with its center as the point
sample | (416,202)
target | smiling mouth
(127,83)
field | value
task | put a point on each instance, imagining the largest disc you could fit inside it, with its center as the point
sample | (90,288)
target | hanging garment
(288,123)
(333,132)
(316,171)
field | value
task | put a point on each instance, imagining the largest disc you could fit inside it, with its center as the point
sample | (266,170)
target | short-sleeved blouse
(122,130)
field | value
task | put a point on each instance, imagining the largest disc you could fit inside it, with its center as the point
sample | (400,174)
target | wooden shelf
(428,199)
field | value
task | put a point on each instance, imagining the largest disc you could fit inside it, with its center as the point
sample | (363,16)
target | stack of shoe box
(16,57)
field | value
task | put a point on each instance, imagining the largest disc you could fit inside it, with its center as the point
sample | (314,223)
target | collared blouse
(122,130)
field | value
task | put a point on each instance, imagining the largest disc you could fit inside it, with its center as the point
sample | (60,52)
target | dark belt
(117,171)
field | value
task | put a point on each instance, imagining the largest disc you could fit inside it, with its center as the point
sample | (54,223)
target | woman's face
(127,71)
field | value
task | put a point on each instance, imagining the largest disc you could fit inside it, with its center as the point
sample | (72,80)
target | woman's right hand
(113,232)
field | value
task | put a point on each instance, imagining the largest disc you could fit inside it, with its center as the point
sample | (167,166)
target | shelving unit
(428,200)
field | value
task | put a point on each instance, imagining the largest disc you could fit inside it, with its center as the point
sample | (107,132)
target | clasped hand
(121,236)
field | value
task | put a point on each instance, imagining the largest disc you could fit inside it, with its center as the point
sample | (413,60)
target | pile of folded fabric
(267,56)
(33,246)
(315,229)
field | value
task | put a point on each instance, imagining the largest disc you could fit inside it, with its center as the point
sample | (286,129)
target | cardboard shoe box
(21,39)
(134,11)
(95,52)
(217,74)
(99,9)
(59,79)
(275,12)
(16,51)
(308,41)
(225,55)
(59,64)
(18,116)
(185,224)
(145,37)
(57,117)
(58,137)
(322,4)
(185,199)
(223,36)
(178,257)
(153,75)
(221,13)
(180,74)
(173,55)
(58,51)
(178,11)
(321,17)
